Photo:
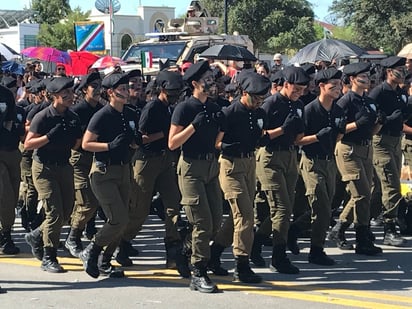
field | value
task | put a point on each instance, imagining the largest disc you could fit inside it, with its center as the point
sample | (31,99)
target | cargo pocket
(190,201)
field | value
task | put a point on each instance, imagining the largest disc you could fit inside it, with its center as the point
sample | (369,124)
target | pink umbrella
(49,54)
(107,62)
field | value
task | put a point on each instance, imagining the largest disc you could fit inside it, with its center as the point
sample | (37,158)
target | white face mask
(3,107)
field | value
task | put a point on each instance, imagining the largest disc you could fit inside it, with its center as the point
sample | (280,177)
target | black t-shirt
(60,150)
(388,100)
(155,118)
(409,122)
(316,117)
(107,124)
(85,112)
(242,125)
(277,107)
(9,139)
(35,109)
(354,105)
(203,140)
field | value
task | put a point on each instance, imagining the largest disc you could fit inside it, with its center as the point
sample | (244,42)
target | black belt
(241,155)
(366,142)
(272,148)
(321,157)
(8,148)
(150,154)
(111,162)
(50,162)
(210,156)
(391,133)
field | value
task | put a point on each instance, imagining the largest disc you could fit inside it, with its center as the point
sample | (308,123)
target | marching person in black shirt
(110,133)
(391,100)
(86,203)
(354,158)
(12,119)
(241,128)
(194,130)
(324,124)
(53,132)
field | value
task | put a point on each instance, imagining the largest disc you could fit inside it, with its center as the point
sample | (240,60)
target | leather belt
(210,156)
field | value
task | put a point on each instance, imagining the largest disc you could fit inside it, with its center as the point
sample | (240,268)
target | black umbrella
(228,52)
(327,50)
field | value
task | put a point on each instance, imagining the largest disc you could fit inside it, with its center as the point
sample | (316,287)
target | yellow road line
(303,292)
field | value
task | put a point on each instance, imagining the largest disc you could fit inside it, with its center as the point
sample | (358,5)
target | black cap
(277,78)
(255,84)
(37,86)
(309,68)
(57,84)
(134,73)
(324,75)
(114,80)
(393,62)
(354,69)
(232,87)
(8,82)
(295,75)
(169,80)
(195,71)
(88,79)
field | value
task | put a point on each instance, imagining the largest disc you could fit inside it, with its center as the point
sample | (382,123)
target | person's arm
(407,129)
(219,138)
(91,144)
(149,138)
(35,141)
(178,135)
(306,140)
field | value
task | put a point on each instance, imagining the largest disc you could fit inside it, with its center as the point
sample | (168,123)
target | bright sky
(129,7)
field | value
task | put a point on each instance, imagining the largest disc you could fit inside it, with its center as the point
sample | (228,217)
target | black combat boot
(130,249)
(280,261)
(292,241)
(319,257)
(49,262)
(6,243)
(391,236)
(364,244)
(337,234)
(171,252)
(243,272)
(107,269)
(89,257)
(200,280)
(73,242)
(122,256)
(35,240)
(214,264)
(256,254)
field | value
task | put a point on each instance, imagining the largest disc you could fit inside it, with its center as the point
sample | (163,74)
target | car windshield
(168,50)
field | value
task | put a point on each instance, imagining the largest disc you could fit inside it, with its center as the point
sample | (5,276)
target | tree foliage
(50,11)
(61,34)
(273,25)
(386,25)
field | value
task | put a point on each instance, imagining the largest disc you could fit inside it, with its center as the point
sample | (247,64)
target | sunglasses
(61,69)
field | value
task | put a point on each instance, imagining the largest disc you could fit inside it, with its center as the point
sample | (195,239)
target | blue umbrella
(12,67)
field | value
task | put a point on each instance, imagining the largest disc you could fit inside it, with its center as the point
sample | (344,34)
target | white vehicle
(182,40)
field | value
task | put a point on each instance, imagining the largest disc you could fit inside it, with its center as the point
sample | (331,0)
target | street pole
(225,22)
(111,26)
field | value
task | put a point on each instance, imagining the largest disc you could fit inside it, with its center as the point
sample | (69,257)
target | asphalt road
(356,281)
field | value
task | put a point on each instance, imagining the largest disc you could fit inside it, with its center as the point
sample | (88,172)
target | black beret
(114,80)
(57,84)
(295,75)
(324,75)
(393,62)
(37,86)
(134,73)
(255,84)
(309,68)
(277,78)
(230,87)
(169,80)
(354,69)
(30,84)
(8,82)
(243,74)
(88,79)
(195,71)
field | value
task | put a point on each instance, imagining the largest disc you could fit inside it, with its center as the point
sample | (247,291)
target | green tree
(61,34)
(273,25)
(387,24)
(50,11)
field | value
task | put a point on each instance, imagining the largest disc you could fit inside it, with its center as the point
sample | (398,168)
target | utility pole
(225,21)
